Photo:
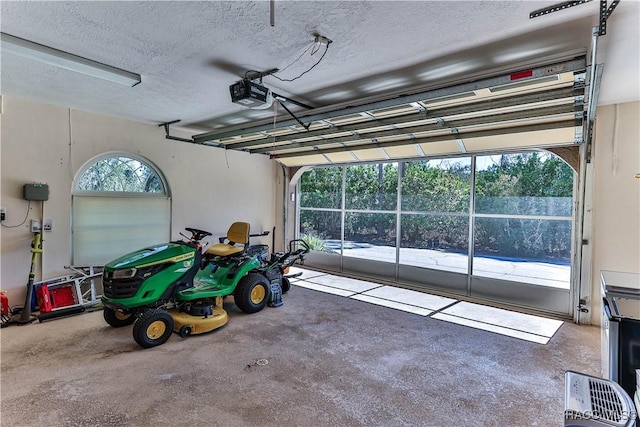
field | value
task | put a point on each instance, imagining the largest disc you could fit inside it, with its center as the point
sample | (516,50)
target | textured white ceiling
(188,53)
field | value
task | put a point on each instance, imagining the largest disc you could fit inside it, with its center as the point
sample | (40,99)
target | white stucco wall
(616,198)
(210,187)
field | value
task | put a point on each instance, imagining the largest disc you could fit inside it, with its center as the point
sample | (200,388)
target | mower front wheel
(117,319)
(252,293)
(153,328)
(185,331)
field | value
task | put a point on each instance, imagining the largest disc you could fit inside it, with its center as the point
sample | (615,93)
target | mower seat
(238,234)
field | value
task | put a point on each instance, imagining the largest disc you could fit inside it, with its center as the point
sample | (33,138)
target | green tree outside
(435,203)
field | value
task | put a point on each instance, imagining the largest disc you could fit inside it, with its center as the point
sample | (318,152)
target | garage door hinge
(578,101)
(579,83)
(581,305)
(579,139)
(419,107)
(328,123)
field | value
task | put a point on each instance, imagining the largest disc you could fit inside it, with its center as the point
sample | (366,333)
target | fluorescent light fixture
(48,55)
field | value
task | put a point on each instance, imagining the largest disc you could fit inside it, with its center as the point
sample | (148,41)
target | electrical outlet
(35,226)
(3,214)
(47,225)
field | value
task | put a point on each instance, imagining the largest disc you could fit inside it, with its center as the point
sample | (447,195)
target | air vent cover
(592,401)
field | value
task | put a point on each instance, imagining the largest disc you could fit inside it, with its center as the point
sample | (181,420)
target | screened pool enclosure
(490,226)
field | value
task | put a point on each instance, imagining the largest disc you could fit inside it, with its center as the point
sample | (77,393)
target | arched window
(121,203)
(121,174)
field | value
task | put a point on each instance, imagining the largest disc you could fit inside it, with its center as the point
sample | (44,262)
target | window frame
(121,154)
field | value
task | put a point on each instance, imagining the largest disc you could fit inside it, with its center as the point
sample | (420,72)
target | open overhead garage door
(535,108)
(495,121)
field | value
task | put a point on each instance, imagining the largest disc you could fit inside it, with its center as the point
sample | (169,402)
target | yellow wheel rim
(122,316)
(257,294)
(156,329)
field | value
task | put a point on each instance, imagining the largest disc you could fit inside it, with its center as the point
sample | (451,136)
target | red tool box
(4,304)
(57,297)
(62,297)
(44,301)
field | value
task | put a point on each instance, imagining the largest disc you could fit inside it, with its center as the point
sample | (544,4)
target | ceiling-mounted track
(556,8)
(537,107)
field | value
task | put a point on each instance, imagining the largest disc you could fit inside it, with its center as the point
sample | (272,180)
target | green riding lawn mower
(180,287)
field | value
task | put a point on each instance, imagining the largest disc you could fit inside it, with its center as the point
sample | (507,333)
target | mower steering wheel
(197,234)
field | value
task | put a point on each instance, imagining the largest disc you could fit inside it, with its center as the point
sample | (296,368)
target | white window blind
(105,228)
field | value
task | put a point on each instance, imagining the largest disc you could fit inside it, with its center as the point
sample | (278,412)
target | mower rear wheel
(252,293)
(285,284)
(117,319)
(152,328)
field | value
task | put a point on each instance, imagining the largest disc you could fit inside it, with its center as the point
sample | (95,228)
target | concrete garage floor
(332,361)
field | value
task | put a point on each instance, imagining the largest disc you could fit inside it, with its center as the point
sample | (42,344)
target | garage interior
(377,329)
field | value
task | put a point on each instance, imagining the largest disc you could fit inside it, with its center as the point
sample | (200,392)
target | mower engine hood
(151,255)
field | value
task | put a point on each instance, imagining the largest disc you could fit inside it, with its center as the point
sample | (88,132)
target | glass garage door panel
(534,251)
(438,242)
(372,187)
(523,219)
(535,184)
(441,185)
(321,188)
(321,229)
(370,236)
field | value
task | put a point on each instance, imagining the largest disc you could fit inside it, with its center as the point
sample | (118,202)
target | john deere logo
(188,263)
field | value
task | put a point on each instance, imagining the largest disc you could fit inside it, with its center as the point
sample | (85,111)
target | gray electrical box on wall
(35,192)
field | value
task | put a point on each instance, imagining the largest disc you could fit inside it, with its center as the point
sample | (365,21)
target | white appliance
(595,402)
(637,397)
(620,328)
